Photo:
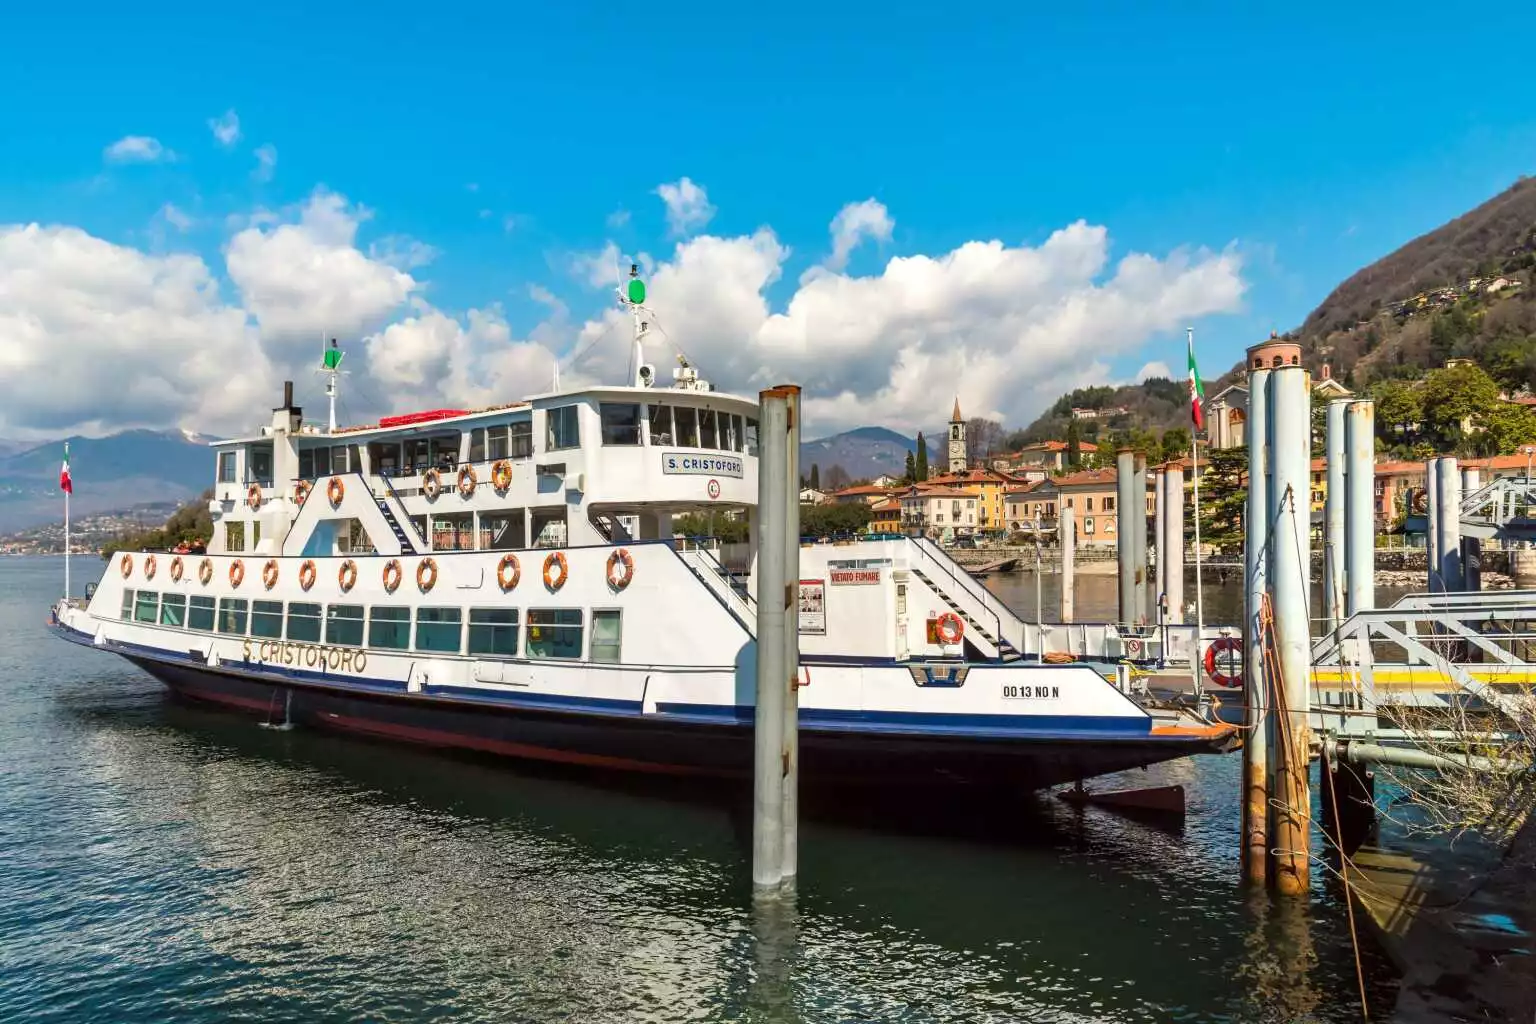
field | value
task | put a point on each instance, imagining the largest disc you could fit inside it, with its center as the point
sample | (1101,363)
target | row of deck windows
(550,632)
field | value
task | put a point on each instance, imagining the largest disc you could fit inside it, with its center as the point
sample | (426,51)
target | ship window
(267,619)
(493,631)
(554,632)
(549,530)
(660,417)
(389,627)
(477,444)
(344,625)
(234,535)
(751,436)
(200,614)
(127,605)
(621,422)
(607,632)
(520,439)
(304,622)
(708,436)
(503,531)
(561,429)
(307,464)
(322,457)
(686,421)
(145,606)
(418,456)
(173,610)
(385,457)
(261,464)
(232,614)
(730,425)
(226,467)
(439,629)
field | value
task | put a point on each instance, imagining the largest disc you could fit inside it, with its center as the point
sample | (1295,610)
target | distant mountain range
(109,473)
(863,453)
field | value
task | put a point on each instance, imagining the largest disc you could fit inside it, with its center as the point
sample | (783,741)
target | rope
(1349,903)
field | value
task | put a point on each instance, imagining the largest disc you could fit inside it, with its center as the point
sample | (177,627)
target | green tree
(1502,430)
(815,477)
(920,467)
(1224,497)
(1175,443)
(1399,410)
(1509,360)
(1453,399)
(838,519)
(1074,446)
(911,474)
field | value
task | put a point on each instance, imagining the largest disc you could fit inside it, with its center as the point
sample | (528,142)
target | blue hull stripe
(1017,727)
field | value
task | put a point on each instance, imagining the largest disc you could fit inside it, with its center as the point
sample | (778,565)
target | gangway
(1503,509)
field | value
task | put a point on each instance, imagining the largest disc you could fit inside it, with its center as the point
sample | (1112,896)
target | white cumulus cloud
(138,149)
(688,207)
(225,128)
(853,224)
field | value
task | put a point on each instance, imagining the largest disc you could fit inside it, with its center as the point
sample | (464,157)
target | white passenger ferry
(506,580)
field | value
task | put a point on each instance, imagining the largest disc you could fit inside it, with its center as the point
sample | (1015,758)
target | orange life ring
(127,566)
(307,574)
(551,561)
(253,496)
(176,569)
(432,484)
(509,572)
(426,574)
(467,481)
(949,629)
(236,573)
(205,571)
(1219,675)
(392,575)
(621,559)
(346,576)
(149,567)
(335,490)
(269,574)
(301,492)
(501,474)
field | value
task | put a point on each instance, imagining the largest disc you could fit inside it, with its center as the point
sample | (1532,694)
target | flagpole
(66,530)
(1194,458)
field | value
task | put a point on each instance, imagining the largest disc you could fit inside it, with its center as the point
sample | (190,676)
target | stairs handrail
(408,525)
(970,586)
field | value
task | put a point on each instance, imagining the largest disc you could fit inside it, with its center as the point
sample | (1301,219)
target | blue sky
(1308,141)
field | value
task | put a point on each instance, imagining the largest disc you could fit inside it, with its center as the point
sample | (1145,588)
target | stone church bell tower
(957,460)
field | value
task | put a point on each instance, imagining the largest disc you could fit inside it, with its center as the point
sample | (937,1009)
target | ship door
(901,622)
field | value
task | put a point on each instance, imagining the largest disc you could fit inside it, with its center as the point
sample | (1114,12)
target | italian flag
(65,483)
(1196,389)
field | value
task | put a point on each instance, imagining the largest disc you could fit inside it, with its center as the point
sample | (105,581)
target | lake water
(160,862)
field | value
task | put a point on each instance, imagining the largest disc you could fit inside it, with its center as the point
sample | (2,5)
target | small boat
(506,580)
(1000,565)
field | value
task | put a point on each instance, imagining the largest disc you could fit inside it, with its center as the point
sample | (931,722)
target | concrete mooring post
(1066,538)
(1255,805)
(1434,583)
(1125,539)
(1360,508)
(1447,525)
(1334,538)
(1160,560)
(1171,542)
(1289,582)
(1139,499)
(789,866)
(774,491)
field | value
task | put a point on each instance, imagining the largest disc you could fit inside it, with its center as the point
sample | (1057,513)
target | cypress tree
(920,465)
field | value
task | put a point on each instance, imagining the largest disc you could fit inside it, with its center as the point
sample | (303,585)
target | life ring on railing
(236,573)
(948,629)
(301,492)
(1222,674)
(467,481)
(253,496)
(1133,646)
(127,565)
(620,559)
(392,575)
(346,576)
(554,560)
(149,567)
(432,484)
(176,569)
(426,574)
(501,474)
(269,574)
(508,572)
(307,574)
(335,490)
(205,571)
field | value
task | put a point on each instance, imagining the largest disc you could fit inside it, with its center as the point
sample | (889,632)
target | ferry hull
(657,746)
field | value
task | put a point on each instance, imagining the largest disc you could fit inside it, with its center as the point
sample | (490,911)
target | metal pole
(1125,539)
(1333,515)
(1360,508)
(791,676)
(1139,489)
(1173,540)
(66,534)
(1290,558)
(1066,532)
(773,490)
(1194,474)
(1255,850)
(1449,526)
(1436,583)
(1039,602)
(1159,531)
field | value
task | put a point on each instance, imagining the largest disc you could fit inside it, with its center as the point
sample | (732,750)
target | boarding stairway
(987,619)
(730,590)
(410,543)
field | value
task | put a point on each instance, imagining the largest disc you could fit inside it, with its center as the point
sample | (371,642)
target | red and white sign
(855,577)
(713,489)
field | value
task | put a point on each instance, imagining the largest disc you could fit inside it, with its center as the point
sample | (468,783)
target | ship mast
(330,366)
(632,297)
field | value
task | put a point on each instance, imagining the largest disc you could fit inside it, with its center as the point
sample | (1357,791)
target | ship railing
(398,513)
(704,568)
(990,603)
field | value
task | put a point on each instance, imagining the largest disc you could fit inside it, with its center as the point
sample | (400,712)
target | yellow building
(990,488)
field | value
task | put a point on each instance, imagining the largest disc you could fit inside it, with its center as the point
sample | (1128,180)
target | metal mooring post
(1125,540)
(1360,509)
(1172,541)
(1139,497)
(1255,851)
(1334,537)
(791,677)
(773,493)
(1066,538)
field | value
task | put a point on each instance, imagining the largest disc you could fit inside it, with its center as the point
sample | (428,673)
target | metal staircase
(1502,509)
(1005,650)
(410,542)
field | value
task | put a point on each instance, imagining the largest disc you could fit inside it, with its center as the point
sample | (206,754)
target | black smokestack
(287,394)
